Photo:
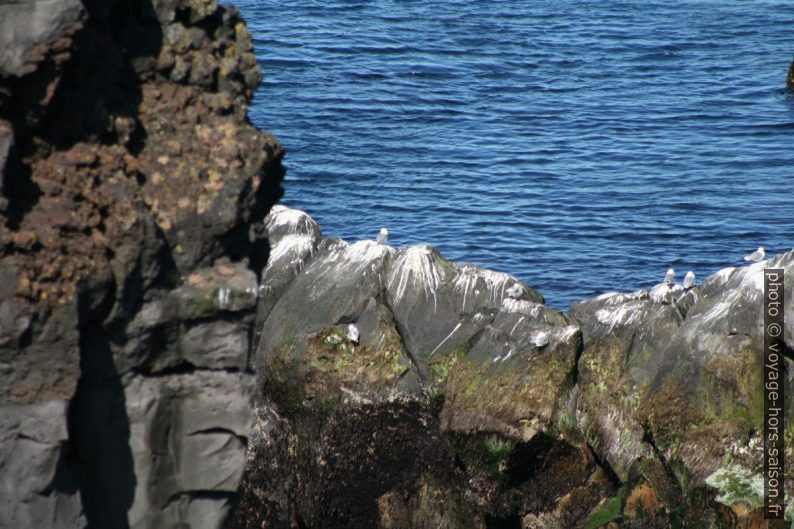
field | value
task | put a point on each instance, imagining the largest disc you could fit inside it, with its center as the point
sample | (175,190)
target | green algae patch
(609,510)
(737,485)
(357,366)
(681,473)
(610,398)
(484,454)
(505,396)
(554,317)
(313,374)
(331,352)
(605,375)
(729,388)
(439,369)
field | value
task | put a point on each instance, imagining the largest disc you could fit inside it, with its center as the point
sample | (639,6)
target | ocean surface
(582,146)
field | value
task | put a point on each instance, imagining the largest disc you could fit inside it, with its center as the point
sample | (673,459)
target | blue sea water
(582,146)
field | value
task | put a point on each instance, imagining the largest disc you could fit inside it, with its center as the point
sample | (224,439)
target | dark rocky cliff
(132,193)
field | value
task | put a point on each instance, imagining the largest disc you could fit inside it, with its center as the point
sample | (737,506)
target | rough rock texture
(460,404)
(133,228)
(132,196)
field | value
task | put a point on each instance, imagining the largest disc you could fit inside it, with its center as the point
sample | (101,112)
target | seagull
(352,333)
(540,340)
(669,277)
(689,280)
(756,256)
(515,291)
(383,234)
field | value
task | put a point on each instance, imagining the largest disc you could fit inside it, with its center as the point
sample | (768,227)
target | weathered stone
(28,28)
(36,490)
(6,143)
(187,437)
(129,257)
(39,359)
(441,307)
(333,288)
(512,378)
(215,345)
(205,323)
(581,420)
(707,400)
(616,370)
(428,503)
(294,238)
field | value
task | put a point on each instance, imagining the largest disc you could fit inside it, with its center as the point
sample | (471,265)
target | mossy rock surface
(317,371)
(512,378)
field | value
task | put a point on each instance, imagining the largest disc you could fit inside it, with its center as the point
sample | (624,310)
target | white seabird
(669,277)
(383,234)
(756,256)
(689,280)
(540,340)
(353,334)
(515,291)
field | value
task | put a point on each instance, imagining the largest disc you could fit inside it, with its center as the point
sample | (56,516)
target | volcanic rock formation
(132,194)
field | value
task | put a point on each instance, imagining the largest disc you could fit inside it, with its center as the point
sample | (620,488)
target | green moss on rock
(609,511)
(483,454)
(737,485)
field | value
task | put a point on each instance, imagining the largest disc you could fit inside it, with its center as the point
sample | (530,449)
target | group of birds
(516,291)
(689,279)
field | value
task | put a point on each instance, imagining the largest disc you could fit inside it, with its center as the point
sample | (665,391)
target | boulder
(619,362)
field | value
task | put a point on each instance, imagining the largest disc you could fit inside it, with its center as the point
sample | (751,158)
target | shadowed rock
(133,191)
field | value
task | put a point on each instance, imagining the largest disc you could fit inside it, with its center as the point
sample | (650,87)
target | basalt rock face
(132,196)
(454,403)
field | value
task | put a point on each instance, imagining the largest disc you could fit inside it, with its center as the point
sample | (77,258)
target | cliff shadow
(99,432)
(98,97)
(97,101)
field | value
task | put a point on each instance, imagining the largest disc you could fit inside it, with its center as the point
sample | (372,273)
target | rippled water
(582,146)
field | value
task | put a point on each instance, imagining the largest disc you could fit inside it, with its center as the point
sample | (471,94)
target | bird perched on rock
(515,291)
(540,340)
(689,280)
(669,277)
(353,334)
(383,235)
(756,256)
